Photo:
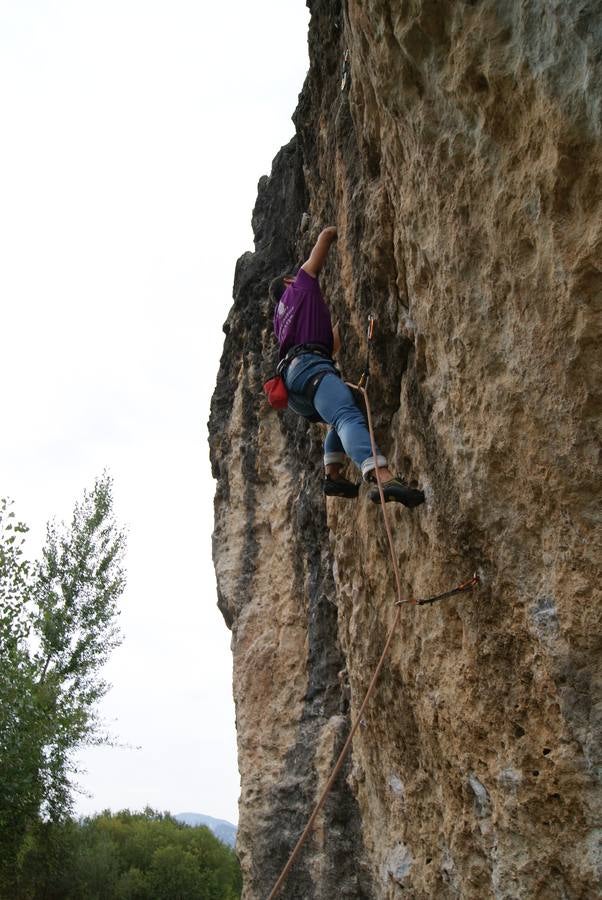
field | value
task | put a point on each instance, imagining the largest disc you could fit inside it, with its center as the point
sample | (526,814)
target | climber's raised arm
(318,255)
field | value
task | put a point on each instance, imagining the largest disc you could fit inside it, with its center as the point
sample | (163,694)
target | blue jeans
(335,403)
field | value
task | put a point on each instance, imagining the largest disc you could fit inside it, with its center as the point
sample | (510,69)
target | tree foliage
(127,856)
(57,628)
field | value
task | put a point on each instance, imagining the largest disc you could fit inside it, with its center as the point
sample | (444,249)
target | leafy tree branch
(58,625)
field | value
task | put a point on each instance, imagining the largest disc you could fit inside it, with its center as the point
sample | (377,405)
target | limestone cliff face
(460,160)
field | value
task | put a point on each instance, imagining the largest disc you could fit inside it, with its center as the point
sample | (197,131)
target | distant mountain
(225,831)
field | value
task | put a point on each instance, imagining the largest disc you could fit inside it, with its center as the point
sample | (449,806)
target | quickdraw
(363,382)
(465,586)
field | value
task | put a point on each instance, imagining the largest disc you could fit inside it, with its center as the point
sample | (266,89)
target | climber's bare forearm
(318,255)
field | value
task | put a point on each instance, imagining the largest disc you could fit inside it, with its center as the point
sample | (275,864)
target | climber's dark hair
(278,287)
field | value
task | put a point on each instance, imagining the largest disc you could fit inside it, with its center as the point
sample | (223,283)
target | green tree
(176,875)
(126,856)
(20,716)
(133,885)
(57,628)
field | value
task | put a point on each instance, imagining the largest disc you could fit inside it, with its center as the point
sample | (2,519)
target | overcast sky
(133,136)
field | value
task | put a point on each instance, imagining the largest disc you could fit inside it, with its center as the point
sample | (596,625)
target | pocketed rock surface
(458,152)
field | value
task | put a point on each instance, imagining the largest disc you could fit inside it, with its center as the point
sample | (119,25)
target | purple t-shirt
(301,316)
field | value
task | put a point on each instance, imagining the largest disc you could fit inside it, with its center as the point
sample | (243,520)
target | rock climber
(307,341)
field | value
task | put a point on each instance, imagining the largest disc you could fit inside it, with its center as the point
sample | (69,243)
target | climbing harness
(276,391)
(468,585)
(298,350)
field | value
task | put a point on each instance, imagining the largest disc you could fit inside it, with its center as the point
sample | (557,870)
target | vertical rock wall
(460,161)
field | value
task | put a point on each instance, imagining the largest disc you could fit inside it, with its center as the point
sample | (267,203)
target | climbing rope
(362,387)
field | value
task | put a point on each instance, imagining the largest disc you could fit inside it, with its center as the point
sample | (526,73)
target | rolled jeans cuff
(332,456)
(368,465)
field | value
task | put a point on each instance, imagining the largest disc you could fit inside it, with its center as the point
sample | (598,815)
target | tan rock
(461,164)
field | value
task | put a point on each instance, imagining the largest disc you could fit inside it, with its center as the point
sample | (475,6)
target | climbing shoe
(340,488)
(398,491)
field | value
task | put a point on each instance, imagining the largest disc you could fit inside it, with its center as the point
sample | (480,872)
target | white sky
(133,136)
